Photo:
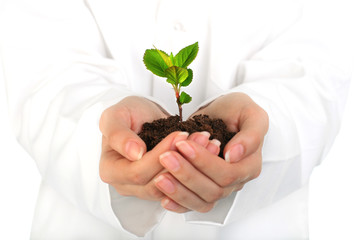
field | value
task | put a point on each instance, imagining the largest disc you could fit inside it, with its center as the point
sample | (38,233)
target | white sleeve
(58,81)
(302,84)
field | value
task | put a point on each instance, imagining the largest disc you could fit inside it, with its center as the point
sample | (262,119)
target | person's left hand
(197,177)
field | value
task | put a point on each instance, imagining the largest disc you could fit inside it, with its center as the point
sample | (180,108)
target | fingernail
(134,151)
(169,205)
(202,138)
(165,184)
(186,149)
(181,136)
(216,142)
(235,153)
(214,146)
(169,161)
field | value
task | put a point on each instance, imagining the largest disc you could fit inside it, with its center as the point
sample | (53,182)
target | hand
(201,178)
(174,162)
(242,115)
(124,163)
(121,122)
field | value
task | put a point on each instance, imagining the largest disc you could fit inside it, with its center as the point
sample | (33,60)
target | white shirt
(66,61)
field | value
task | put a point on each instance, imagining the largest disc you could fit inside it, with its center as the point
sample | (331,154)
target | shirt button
(178,26)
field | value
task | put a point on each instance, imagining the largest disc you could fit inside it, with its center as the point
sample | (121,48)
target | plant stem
(180,110)
(177,95)
(179,106)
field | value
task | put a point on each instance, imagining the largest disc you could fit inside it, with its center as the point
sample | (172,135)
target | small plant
(174,69)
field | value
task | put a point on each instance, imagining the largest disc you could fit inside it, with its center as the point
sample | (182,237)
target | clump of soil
(152,133)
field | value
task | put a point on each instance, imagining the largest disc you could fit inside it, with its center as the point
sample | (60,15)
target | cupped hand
(124,162)
(197,177)
(121,122)
(242,115)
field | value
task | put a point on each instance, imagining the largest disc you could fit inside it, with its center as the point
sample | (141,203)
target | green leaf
(172,82)
(182,74)
(186,55)
(184,98)
(176,74)
(154,62)
(172,59)
(165,57)
(170,73)
(188,80)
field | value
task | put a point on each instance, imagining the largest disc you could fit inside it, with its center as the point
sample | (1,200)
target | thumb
(126,142)
(243,144)
(120,137)
(248,140)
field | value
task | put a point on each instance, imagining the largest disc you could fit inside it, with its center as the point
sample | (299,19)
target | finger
(253,128)
(121,122)
(214,167)
(180,194)
(147,192)
(117,130)
(171,205)
(201,138)
(190,177)
(116,169)
(233,188)
(243,144)
(214,146)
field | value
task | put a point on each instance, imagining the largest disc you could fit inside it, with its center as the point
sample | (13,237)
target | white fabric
(66,61)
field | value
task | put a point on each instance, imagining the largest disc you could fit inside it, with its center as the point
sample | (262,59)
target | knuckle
(105,177)
(206,207)
(123,192)
(201,164)
(154,193)
(186,200)
(238,188)
(265,116)
(255,170)
(257,173)
(104,174)
(103,120)
(182,198)
(215,195)
(138,178)
(228,180)
(186,178)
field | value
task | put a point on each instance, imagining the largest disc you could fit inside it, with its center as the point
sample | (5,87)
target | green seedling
(174,69)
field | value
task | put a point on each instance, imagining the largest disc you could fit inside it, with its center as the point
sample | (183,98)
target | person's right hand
(124,163)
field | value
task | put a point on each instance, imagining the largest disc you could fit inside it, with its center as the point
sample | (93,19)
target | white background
(334,186)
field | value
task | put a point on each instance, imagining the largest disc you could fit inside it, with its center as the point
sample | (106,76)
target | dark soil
(152,133)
